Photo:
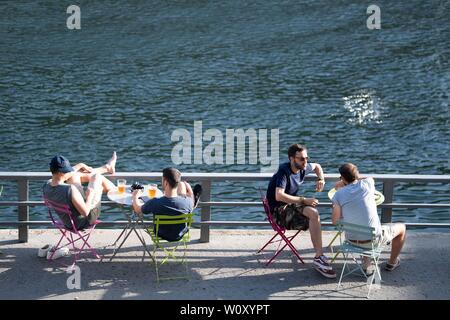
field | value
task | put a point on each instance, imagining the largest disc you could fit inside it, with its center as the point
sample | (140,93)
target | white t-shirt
(357,202)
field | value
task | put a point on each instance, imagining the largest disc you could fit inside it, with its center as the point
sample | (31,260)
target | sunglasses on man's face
(302,158)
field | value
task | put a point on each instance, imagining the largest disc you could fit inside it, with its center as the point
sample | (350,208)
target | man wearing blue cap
(65,187)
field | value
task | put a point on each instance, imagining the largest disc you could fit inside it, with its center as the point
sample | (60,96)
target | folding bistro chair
(352,250)
(379,199)
(71,235)
(330,245)
(168,248)
(279,232)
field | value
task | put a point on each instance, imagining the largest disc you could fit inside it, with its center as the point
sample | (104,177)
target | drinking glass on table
(121,185)
(152,190)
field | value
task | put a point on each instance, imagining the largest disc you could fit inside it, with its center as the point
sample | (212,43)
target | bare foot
(111,164)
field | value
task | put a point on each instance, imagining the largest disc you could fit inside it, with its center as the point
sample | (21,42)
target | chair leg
(332,241)
(85,239)
(375,274)
(287,242)
(269,242)
(275,255)
(169,254)
(335,256)
(342,272)
(57,246)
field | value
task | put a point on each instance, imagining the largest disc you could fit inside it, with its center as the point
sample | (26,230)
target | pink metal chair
(70,235)
(279,231)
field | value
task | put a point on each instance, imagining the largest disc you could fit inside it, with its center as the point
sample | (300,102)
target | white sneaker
(61,252)
(42,252)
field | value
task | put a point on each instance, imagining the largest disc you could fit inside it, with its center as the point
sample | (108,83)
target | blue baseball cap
(60,164)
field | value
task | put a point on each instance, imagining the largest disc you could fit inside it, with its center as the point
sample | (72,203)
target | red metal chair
(70,235)
(279,231)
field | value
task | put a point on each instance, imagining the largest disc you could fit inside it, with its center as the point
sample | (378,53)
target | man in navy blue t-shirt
(178,199)
(294,212)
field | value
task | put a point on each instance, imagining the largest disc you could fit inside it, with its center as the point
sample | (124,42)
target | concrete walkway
(225,268)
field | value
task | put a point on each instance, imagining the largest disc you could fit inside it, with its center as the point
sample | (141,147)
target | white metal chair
(350,249)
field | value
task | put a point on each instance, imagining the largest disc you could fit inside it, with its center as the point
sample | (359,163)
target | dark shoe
(322,266)
(370,270)
(322,262)
(197,193)
(326,273)
(392,267)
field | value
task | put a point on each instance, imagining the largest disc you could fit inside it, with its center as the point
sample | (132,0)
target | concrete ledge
(225,268)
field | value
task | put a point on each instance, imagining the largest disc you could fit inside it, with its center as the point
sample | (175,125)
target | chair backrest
(365,232)
(269,216)
(63,212)
(178,219)
(184,219)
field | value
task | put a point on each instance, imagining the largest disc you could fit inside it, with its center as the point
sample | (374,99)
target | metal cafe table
(135,222)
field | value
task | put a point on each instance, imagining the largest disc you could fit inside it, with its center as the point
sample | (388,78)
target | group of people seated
(66,187)
(353,201)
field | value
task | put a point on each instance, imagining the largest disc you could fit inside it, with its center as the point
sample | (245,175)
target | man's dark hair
(294,149)
(172,176)
(349,172)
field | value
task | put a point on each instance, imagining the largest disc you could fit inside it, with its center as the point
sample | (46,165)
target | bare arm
(339,185)
(336,213)
(83,207)
(137,203)
(184,189)
(320,178)
(281,196)
(189,192)
(82,167)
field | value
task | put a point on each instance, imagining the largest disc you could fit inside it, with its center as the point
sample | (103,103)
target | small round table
(379,197)
(134,221)
(126,198)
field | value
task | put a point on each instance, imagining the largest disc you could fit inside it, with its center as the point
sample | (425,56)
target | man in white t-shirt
(354,202)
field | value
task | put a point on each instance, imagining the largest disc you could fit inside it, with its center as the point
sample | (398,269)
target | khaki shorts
(291,217)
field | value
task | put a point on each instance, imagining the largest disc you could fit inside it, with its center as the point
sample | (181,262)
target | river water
(137,71)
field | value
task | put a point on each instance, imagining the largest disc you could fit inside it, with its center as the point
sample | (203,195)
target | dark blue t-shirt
(286,179)
(170,207)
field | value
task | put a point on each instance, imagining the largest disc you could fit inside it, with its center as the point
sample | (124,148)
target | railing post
(206,210)
(22,185)
(388,191)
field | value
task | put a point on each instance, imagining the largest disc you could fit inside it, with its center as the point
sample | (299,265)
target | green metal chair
(330,245)
(349,249)
(379,199)
(168,248)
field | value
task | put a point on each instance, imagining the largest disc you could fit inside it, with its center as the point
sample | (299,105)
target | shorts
(94,214)
(291,217)
(387,234)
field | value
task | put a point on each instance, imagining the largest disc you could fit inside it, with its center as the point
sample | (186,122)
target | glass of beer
(121,185)
(152,190)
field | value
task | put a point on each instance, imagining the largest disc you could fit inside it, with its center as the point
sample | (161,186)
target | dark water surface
(138,70)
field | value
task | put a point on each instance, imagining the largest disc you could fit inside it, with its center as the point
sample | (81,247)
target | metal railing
(206,179)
